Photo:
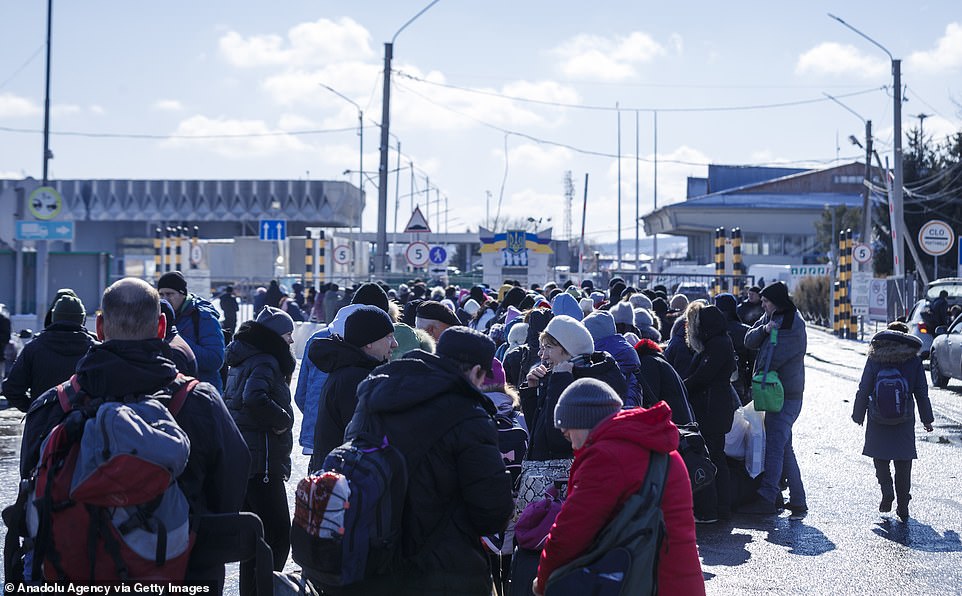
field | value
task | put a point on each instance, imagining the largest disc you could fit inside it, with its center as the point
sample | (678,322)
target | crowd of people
(595,380)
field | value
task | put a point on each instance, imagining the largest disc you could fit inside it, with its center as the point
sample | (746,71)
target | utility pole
(866,198)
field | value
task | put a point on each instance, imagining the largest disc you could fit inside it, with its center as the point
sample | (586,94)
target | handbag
(694,451)
(531,530)
(768,394)
(537,477)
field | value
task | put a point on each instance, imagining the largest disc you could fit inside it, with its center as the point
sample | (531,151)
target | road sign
(417,254)
(438,255)
(45,202)
(418,224)
(196,254)
(862,253)
(273,229)
(45,230)
(343,254)
(936,237)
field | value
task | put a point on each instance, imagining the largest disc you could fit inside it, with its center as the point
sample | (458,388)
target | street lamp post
(381,262)
(360,133)
(895,207)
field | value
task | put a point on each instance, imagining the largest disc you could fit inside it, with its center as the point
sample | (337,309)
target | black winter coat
(538,404)
(519,361)
(458,490)
(46,362)
(660,382)
(710,391)
(346,366)
(258,396)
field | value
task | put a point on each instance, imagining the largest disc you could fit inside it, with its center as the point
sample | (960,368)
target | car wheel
(938,379)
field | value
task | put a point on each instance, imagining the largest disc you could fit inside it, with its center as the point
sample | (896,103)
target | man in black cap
(430,407)
(52,357)
(198,323)
(435,318)
(366,344)
(750,309)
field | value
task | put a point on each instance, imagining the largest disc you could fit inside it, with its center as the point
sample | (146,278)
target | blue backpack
(891,400)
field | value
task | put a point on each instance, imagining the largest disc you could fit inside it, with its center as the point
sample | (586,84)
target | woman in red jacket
(612,448)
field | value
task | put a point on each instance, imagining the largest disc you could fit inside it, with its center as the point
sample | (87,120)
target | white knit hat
(571,334)
(587,305)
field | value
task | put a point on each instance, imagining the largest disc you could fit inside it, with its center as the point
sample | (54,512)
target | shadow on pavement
(730,552)
(918,536)
(799,538)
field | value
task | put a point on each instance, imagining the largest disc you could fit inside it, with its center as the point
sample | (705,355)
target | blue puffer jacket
(198,323)
(310,379)
(628,362)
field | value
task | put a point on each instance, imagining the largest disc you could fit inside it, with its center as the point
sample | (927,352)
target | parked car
(693,291)
(919,328)
(945,357)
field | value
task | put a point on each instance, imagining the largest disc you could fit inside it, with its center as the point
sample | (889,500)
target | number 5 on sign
(417,254)
(343,254)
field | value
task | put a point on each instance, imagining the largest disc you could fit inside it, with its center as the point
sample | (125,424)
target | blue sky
(491,97)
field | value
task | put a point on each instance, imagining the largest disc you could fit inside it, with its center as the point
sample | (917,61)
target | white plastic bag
(736,439)
(754,441)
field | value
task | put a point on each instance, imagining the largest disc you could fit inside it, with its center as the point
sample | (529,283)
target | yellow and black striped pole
(179,248)
(844,286)
(836,307)
(308,260)
(737,265)
(851,322)
(194,244)
(158,246)
(719,259)
(168,259)
(321,258)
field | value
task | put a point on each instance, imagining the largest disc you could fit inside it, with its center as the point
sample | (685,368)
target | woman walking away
(892,373)
(258,396)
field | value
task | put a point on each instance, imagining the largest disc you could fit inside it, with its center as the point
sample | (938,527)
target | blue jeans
(780,455)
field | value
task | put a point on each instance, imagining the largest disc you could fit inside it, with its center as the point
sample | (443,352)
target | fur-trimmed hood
(893,347)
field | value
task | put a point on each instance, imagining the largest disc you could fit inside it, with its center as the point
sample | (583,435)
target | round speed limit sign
(417,254)
(862,253)
(343,254)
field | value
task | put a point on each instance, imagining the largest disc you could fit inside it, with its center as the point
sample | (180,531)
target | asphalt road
(843,546)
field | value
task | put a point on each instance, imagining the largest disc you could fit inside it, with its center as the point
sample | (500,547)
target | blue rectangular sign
(273,229)
(45,230)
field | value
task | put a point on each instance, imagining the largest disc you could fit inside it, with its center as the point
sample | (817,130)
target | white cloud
(946,56)
(65,110)
(13,106)
(232,142)
(307,44)
(544,160)
(168,105)
(295,122)
(300,86)
(97,110)
(836,59)
(609,59)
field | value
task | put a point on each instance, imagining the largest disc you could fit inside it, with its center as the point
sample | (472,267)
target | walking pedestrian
(788,360)
(887,443)
(258,396)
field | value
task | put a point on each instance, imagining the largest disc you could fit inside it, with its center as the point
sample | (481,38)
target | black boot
(883,474)
(903,483)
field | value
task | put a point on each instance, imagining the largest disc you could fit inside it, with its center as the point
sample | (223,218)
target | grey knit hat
(571,334)
(600,324)
(584,404)
(622,313)
(276,320)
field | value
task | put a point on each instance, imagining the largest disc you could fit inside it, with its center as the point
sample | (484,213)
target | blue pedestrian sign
(273,229)
(45,230)
(438,255)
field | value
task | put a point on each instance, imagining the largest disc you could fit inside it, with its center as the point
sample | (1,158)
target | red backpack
(106,506)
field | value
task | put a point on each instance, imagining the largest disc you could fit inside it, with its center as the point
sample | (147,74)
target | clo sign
(936,237)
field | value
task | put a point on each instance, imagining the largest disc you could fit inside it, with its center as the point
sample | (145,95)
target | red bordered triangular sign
(418,224)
